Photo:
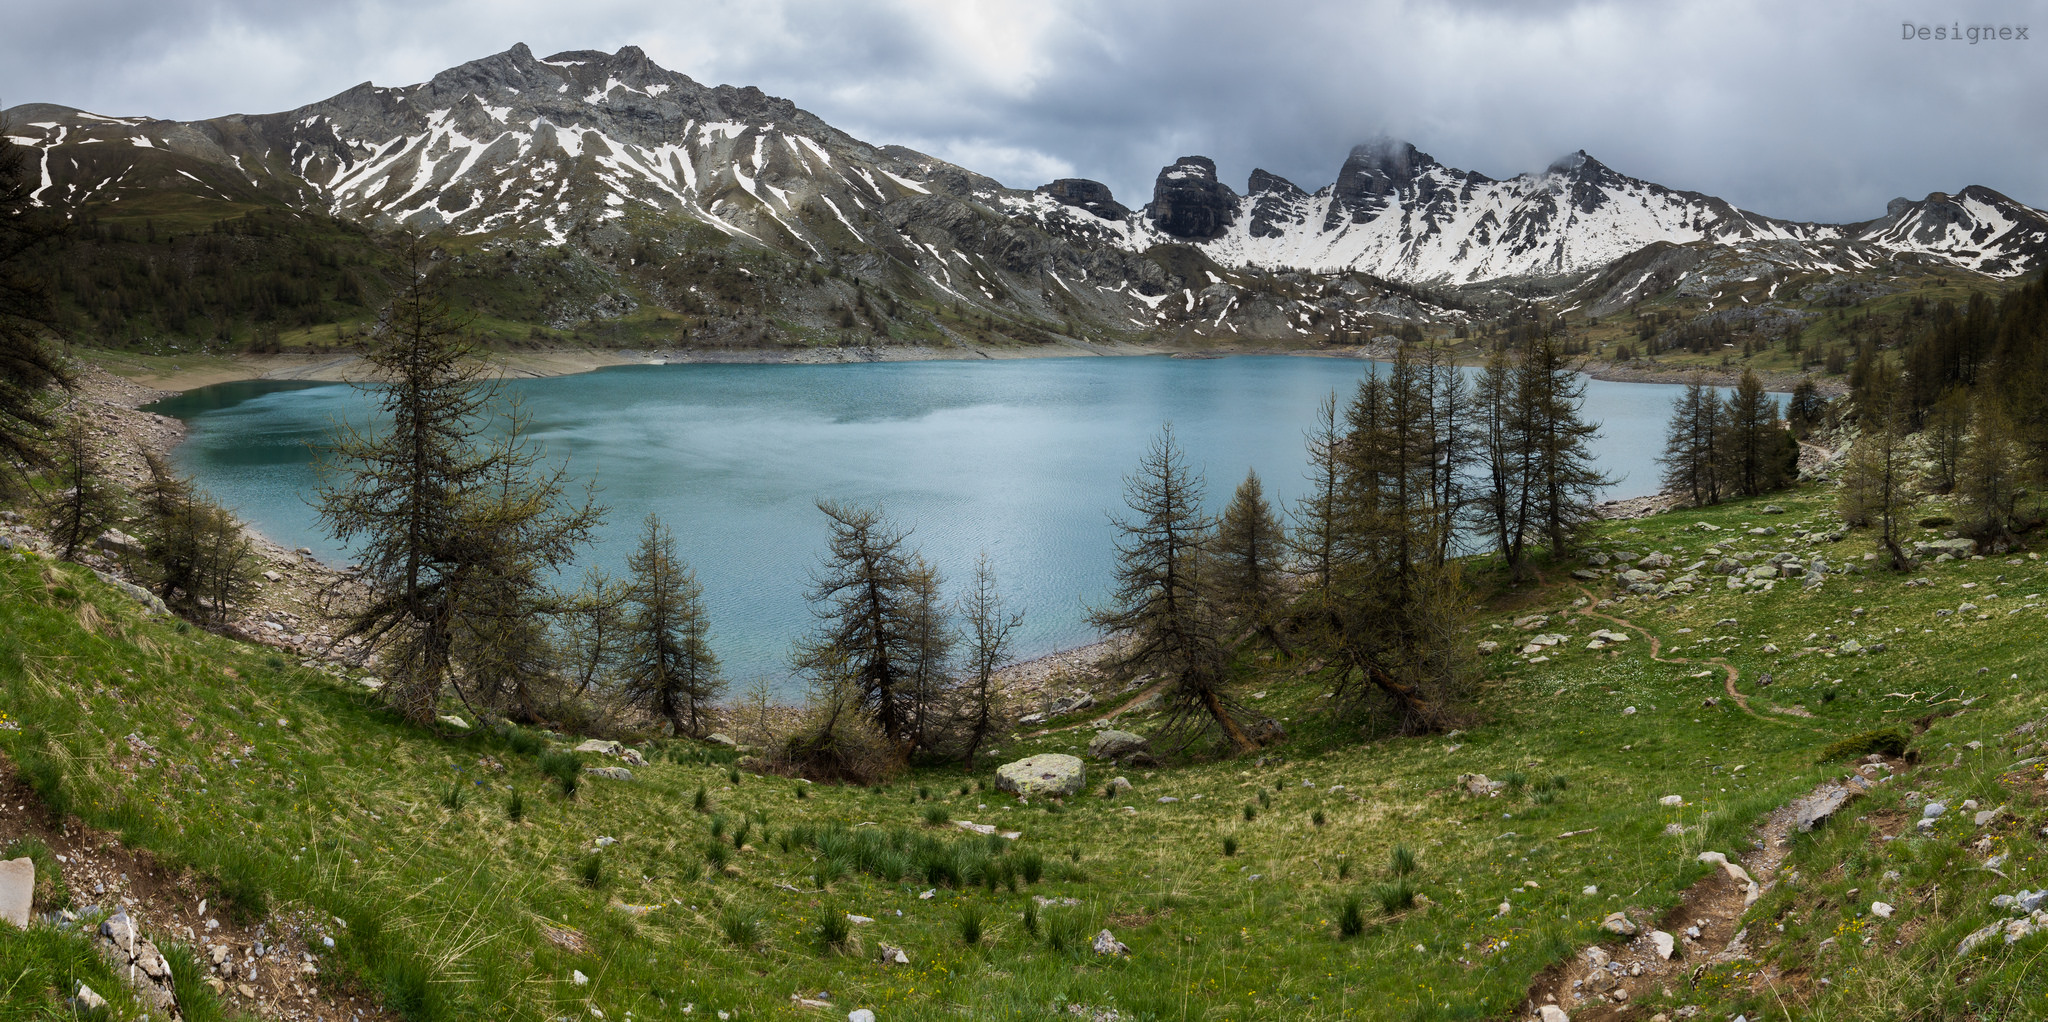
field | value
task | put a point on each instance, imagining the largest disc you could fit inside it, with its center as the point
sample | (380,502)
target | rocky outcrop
(1082,193)
(137,961)
(1278,205)
(1189,203)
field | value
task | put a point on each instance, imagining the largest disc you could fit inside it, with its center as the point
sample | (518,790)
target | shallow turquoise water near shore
(1022,458)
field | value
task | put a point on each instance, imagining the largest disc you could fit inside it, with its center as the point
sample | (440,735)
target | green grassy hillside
(294,791)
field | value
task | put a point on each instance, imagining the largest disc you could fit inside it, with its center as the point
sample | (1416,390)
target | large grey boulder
(1048,774)
(17,890)
(1115,745)
(149,600)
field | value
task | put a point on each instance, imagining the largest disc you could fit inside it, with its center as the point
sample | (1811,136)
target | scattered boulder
(890,954)
(1552,1013)
(1072,702)
(1881,910)
(87,1001)
(1049,774)
(1116,745)
(1107,944)
(17,890)
(1666,944)
(610,773)
(1618,923)
(1651,562)
(1814,810)
(120,544)
(599,747)
(860,1015)
(1478,785)
(721,739)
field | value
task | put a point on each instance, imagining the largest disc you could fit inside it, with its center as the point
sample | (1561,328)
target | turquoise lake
(1023,458)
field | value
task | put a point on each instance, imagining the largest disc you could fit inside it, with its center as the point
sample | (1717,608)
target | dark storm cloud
(1810,111)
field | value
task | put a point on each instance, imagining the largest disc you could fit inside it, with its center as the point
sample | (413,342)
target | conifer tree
(1755,449)
(1806,410)
(863,653)
(1314,539)
(1990,474)
(518,531)
(1158,602)
(592,631)
(1561,478)
(195,555)
(1396,607)
(1453,442)
(1876,485)
(990,630)
(668,668)
(1504,462)
(454,534)
(1945,435)
(1692,456)
(1246,560)
(81,504)
(399,494)
(932,639)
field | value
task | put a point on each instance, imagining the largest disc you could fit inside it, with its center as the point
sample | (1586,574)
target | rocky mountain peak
(1262,183)
(1188,201)
(1380,167)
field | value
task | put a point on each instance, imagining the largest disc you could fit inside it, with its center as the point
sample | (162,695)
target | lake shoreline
(205,371)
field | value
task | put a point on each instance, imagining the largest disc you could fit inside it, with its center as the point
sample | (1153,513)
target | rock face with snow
(1397,213)
(1081,193)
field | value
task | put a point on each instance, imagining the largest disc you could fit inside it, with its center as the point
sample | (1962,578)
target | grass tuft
(1351,916)
(566,768)
(1395,896)
(741,928)
(833,930)
(1401,862)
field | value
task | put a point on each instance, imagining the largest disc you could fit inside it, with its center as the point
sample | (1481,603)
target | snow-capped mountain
(601,153)
(1398,214)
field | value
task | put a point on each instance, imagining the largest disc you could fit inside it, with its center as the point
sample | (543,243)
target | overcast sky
(1804,110)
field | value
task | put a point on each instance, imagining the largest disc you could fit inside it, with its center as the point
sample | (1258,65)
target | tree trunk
(1239,741)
